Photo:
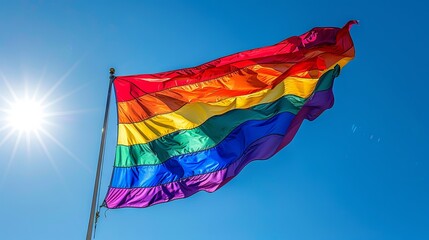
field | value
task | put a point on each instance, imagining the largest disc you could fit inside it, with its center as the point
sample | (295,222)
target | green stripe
(326,81)
(212,132)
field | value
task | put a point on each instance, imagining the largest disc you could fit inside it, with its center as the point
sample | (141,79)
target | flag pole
(100,159)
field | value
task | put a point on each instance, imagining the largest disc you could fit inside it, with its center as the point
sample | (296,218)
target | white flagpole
(100,159)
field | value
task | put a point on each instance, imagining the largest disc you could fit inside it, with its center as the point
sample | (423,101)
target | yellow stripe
(344,61)
(194,114)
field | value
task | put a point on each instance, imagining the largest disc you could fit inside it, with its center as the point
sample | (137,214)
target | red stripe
(294,49)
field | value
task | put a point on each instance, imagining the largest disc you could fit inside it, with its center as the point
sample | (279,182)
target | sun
(26,115)
(30,121)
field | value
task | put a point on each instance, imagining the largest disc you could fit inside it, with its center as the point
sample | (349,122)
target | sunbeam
(9,88)
(65,149)
(63,113)
(48,154)
(54,101)
(12,156)
(60,80)
(7,136)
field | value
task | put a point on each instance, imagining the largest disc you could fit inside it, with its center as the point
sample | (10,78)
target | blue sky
(360,171)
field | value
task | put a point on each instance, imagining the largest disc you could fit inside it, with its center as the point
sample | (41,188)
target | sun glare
(26,115)
(28,119)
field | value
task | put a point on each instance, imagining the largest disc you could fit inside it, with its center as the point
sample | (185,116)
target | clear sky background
(360,171)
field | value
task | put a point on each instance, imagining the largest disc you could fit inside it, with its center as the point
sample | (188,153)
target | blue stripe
(214,159)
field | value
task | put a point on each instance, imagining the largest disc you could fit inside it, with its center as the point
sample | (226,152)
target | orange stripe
(244,81)
(241,82)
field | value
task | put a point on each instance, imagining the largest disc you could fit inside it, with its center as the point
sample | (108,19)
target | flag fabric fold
(194,129)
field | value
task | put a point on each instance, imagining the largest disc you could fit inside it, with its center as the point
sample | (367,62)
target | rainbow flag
(194,129)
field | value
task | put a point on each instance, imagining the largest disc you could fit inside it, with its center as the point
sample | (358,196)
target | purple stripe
(144,197)
(311,110)
(260,149)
